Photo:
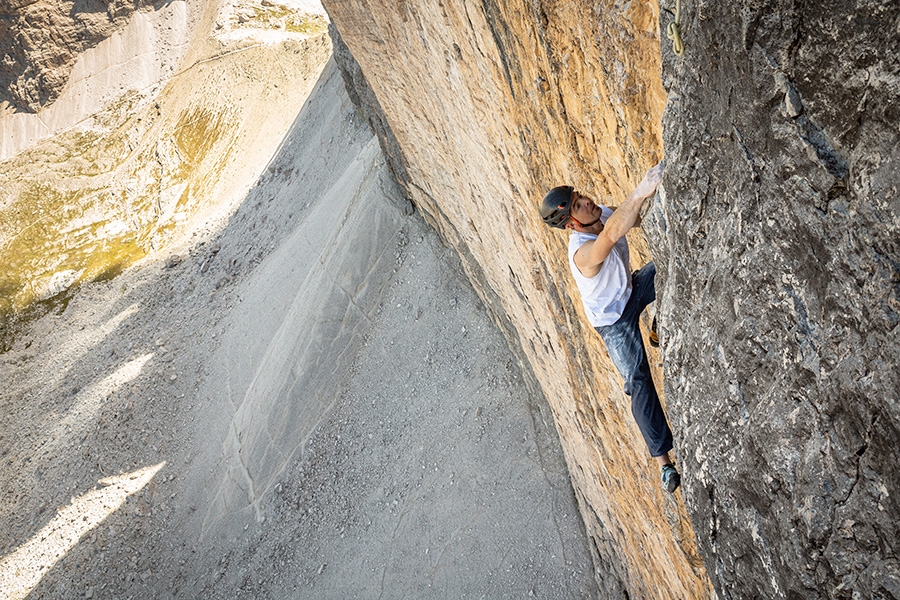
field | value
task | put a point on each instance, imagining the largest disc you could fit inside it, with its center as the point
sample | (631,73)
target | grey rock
(364,99)
(776,244)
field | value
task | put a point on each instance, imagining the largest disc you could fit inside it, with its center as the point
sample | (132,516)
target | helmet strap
(585,225)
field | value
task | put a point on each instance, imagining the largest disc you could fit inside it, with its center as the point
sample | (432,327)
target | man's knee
(640,386)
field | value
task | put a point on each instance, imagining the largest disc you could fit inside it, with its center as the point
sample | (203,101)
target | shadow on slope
(336,412)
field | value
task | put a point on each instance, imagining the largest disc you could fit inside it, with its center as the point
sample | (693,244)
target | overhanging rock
(775,240)
(489,106)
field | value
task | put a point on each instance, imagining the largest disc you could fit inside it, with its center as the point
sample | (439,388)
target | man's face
(583,210)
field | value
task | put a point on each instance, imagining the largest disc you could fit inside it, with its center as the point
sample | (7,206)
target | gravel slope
(311,402)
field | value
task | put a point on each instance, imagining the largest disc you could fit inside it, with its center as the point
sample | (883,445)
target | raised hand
(647,186)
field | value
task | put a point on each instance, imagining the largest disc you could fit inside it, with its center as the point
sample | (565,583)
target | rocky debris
(778,258)
(399,486)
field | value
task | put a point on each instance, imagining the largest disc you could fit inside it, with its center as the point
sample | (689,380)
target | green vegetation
(111,257)
(196,133)
(47,244)
(87,203)
(308,24)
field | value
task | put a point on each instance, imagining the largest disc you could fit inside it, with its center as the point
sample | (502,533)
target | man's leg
(626,349)
(643,288)
(643,292)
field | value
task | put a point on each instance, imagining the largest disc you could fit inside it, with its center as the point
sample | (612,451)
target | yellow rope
(673,31)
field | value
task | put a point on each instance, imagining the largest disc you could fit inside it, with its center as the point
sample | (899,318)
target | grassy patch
(74,208)
(306,23)
(47,244)
(196,134)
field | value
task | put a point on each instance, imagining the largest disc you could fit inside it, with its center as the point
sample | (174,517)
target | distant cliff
(156,118)
(40,40)
(775,239)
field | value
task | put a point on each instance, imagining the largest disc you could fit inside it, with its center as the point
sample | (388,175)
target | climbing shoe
(670,478)
(654,337)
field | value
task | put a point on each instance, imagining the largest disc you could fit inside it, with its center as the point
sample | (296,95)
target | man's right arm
(590,255)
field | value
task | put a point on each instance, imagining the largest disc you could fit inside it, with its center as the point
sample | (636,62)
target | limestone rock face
(41,40)
(775,240)
(777,254)
(482,108)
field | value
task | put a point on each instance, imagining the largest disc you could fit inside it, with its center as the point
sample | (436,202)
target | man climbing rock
(614,297)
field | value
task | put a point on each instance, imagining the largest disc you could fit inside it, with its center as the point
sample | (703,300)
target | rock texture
(489,104)
(775,240)
(777,249)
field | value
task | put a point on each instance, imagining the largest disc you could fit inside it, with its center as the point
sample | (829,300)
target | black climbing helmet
(556,206)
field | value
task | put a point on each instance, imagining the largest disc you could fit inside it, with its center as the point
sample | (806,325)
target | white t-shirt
(605,294)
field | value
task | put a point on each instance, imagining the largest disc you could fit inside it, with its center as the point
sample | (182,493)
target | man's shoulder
(577,237)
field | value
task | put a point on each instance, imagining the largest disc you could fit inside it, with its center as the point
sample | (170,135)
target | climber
(614,297)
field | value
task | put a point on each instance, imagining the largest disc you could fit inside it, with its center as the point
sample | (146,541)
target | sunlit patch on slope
(122,184)
(270,20)
(89,400)
(76,220)
(22,570)
(56,367)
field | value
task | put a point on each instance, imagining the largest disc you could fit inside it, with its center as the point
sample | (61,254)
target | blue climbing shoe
(670,478)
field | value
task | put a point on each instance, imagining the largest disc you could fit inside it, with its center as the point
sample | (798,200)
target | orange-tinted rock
(490,105)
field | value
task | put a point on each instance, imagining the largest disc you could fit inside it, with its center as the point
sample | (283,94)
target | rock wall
(777,249)
(59,75)
(775,240)
(483,106)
